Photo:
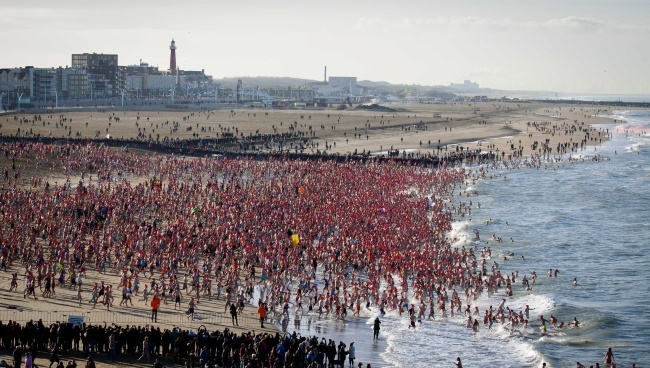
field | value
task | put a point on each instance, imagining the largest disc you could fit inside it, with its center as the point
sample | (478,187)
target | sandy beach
(417,128)
(497,127)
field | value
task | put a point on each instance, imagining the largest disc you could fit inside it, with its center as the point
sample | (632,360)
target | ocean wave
(459,234)
(439,343)
(634,147)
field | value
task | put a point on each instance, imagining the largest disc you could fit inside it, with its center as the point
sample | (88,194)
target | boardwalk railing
(122,317)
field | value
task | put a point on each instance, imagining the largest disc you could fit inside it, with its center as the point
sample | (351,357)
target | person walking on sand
(145,294)
(155,304)
(94,297)
(145,347)
(108,297)
(18,356)
(233,314)
(54,358)
(129,296)
(79,279)
(261,312)
(190,310)
(29,361)
(177,298)
(29,288)
(79,297)
(14,282)
(124,298)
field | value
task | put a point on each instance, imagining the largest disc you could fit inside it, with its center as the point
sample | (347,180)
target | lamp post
(56,98)
(19,97)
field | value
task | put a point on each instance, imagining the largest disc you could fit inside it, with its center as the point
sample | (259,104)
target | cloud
(575,24)
(375,24)
(464,22)
(364,24)
(566,24)
(36,14)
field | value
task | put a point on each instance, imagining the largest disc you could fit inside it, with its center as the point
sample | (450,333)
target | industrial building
(338,87)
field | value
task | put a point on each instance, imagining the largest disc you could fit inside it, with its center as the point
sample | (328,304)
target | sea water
(589,220)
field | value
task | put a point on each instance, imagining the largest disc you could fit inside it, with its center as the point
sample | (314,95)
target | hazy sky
(585,46)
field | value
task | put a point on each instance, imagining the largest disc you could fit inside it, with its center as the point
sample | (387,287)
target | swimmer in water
(458,363)
(575,281)
(527,311)
(609,357)
(542,319)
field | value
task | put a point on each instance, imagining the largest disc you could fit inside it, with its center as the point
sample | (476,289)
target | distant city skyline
(578,46)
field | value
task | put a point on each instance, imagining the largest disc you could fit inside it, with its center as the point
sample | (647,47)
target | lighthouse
(172,56)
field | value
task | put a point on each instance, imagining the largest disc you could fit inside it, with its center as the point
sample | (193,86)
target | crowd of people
(308,236)
(212,228)
(219,220)
(203,348)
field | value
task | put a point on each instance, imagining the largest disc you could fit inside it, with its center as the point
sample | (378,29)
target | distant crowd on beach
(299,138)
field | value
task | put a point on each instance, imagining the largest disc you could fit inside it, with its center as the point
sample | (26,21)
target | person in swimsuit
(609,357)
(177,296)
